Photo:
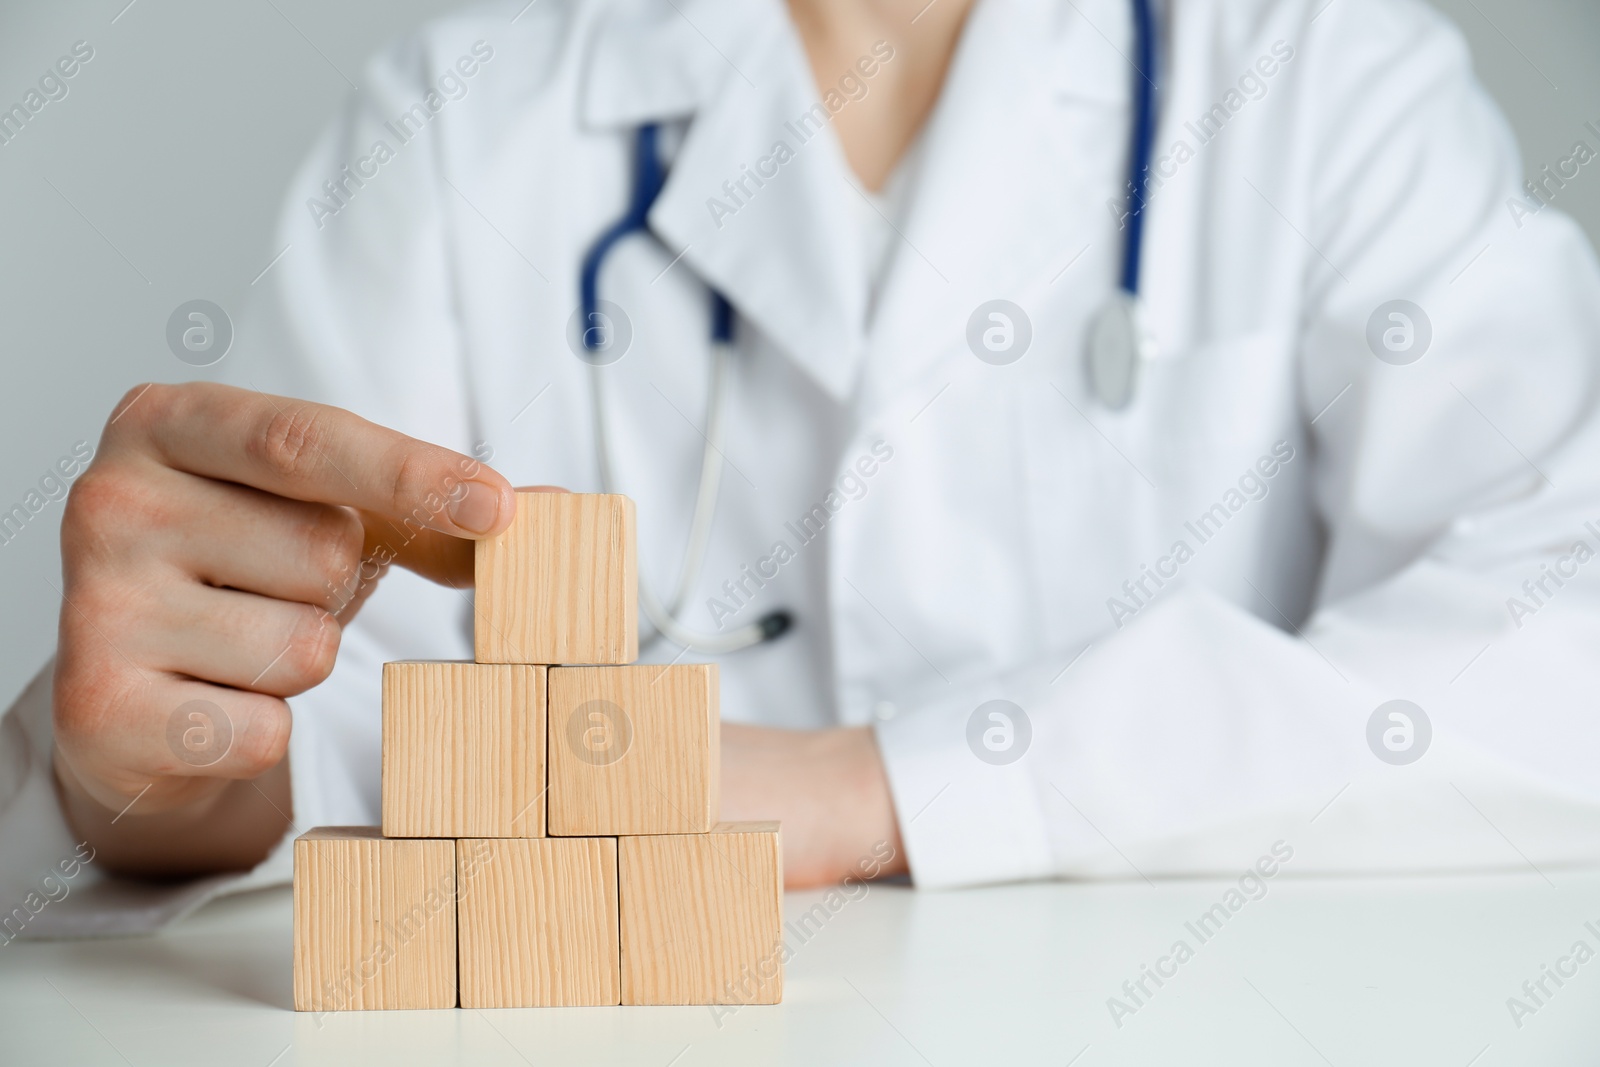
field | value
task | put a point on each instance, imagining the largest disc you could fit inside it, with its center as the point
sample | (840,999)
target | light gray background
(157,179)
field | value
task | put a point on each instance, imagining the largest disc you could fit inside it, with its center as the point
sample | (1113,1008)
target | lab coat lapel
(758,205)
(997,207)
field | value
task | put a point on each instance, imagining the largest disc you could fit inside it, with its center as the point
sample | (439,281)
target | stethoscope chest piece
(1118,345)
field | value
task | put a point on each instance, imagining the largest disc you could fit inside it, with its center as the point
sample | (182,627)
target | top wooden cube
(560,584)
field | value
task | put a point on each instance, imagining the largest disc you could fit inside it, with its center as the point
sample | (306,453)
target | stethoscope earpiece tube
(649,177)
(1142,142)
(1118,342)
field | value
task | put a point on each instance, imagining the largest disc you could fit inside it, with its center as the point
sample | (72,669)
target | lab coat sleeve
(1460,495)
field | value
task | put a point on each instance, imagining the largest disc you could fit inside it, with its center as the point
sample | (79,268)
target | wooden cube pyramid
(550,811)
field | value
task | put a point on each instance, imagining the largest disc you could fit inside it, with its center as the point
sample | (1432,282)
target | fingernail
(478,509)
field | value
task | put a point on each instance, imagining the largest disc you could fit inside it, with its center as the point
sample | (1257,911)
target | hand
(829,790)
(211,552)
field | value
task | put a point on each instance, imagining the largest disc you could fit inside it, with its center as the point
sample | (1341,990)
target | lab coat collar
(652,61)
(783,245)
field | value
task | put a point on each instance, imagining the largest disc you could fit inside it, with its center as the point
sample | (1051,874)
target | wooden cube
(463,750)
(374,921)
(538,922)
(634,750)
(559,585)
(702,917)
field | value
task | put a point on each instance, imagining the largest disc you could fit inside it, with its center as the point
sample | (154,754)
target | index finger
(317,453)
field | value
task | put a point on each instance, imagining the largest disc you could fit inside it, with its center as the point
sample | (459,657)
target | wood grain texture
(634,750)
(702,917)
(374,921)
(463,750)
(538,922)
(559,585)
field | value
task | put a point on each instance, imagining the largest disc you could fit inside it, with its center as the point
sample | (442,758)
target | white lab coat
(1176,727)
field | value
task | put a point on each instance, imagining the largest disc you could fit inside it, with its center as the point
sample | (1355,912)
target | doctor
(1055,612)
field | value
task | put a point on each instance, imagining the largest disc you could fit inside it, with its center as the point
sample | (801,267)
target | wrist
(869,840)
(224,825)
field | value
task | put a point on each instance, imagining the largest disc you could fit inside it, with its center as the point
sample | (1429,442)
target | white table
(1353,973)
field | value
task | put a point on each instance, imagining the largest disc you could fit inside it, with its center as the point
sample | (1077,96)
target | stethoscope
(1117,345)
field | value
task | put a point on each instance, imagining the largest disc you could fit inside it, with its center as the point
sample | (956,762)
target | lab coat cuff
(963,821)
(50,884)
(40,860)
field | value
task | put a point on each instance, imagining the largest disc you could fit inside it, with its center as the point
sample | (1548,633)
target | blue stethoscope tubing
(1142,141)
(1117,343)
(649,178)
